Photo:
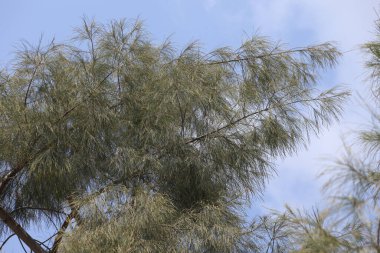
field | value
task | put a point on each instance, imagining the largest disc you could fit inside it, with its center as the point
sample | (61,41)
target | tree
(352,223)
(127,146)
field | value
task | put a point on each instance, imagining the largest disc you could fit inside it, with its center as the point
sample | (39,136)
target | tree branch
(6,240)
(378,235)
(22,245)
(10,175)
(242,59)
(38,209)
(74,214)
(4,215)
(14,171)
(20,232)
(80,102)
(232,123)
(65,225)
(29,85)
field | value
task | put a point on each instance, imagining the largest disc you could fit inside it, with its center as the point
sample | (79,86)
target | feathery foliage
(352,223)
(128,146)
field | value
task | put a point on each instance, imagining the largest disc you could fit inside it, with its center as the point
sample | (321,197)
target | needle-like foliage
(355,181)
(352,222)
(128,146)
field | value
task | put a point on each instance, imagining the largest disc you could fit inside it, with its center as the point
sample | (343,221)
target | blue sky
(217,23)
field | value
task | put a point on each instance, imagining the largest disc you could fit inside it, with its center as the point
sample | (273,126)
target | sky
(218,23)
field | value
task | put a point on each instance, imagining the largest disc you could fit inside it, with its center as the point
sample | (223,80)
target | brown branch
(74,209)
(10,175)
(232,123)
(20,232)
(65,225)
(74,214)
(29,85)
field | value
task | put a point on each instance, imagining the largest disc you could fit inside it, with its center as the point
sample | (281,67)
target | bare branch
(5,241)
(20,232)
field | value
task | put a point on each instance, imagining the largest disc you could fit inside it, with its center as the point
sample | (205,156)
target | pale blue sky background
(217,23)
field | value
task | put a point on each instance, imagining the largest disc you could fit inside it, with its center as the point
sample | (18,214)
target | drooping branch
(265,55)
(75,106)
(14,171)
(268,108)
(20,232)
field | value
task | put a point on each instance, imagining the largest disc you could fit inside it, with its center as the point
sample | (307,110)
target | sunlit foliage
(129,146)
(352,222)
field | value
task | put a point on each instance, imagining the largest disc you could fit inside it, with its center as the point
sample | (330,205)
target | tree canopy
(122,145)
(351,223)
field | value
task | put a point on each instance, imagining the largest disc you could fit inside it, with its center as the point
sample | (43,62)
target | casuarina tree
(122,145)
(351,222)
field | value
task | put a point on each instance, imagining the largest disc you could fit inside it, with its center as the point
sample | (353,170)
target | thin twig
(20,231)
(6,240)
(37,208)
(29,85)
(378,234)
(250,115)
(241,59)
(22,245)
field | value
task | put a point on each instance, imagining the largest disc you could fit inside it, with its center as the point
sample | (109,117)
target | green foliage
(152,149)
(352,223)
